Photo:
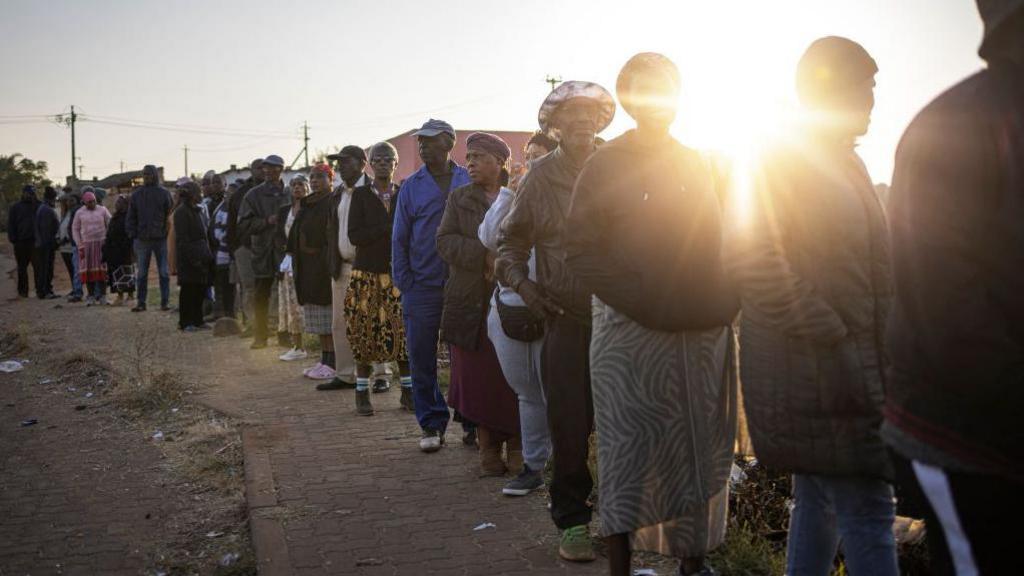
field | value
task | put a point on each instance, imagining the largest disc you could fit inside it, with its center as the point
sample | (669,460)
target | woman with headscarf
(194,257)
(647,242)
(89,230)
(373,306)
(117,253)
(307,246)
(289,314)
(478,388)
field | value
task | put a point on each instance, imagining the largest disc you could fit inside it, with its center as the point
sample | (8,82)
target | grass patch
(158,392)
(14,341)
(746,553)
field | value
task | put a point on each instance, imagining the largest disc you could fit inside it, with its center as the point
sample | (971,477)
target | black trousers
(565,372)
(190,305)
(70,265)
(987,509)
(24,254)
(224,290)
(261,306)
(43,267)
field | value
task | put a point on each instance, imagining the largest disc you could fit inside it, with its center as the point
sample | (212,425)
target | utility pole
(69,121)
(553,81)
(305,141)
(122,166)
(81,169)
(186,160)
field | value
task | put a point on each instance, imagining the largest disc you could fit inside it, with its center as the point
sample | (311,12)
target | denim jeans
(857,511)
(421,311)
(76,280)
(97,290)
(144,249)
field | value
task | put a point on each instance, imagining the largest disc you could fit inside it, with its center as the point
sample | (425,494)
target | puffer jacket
(258,206)
(812,263)
(467,292)
(537,221)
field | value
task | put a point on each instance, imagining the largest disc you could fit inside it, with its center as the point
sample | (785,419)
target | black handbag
(519,322)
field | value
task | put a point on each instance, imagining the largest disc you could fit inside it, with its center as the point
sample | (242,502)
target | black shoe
(165,308)
(406,401)
(469,437)
(139,308)
(76,299)
(381,385)
(204,326)
(258,345)
(527,481)
(363,406)
(51,296)
(336,384)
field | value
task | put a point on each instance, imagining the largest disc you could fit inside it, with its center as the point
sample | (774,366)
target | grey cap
(274,160)
(434,127)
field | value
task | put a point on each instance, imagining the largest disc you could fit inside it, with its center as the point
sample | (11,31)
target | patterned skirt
(90,262)
(373,318)
(289,314)
(318,318)
(665,407)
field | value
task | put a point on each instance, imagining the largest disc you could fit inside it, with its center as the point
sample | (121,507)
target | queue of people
(612,288)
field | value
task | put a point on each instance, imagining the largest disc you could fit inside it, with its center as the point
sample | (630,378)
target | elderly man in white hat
(576,111)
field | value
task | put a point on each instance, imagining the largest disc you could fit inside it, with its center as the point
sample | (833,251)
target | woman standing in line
(117,253)
(646,233)
(289,314)
(89,231)
(192,249)
(478,389)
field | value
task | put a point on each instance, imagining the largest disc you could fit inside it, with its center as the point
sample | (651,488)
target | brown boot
(490,453)
(514,455)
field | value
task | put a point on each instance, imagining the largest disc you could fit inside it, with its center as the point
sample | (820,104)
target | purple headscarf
(490,144)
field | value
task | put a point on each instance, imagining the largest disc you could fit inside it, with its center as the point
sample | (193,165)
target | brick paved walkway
(335,493)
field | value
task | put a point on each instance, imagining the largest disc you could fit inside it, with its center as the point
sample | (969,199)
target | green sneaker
(576,544)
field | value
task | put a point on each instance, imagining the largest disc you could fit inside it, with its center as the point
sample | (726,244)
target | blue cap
(434,127)
(274,160)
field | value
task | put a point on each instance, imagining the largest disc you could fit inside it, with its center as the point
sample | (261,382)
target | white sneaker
(292,355)
(431,441)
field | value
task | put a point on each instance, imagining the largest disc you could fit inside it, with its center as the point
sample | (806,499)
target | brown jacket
(467,292)
(537,220)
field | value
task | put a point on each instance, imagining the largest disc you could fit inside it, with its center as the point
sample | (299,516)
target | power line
(99,118)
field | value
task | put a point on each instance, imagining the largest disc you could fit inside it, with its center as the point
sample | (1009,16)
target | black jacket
(812,262)
(956,335)
(258,205)
(308,243)
(467,292)
(537,222)
(21,221)
(47,226)
(369,229)
(235,241)
(646,235)
(117,248)
(192,250)
(148,212)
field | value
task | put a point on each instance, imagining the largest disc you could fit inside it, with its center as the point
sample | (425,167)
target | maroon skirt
(478,388)
(90,262)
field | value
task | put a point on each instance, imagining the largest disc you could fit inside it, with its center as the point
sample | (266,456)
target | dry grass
(14,341)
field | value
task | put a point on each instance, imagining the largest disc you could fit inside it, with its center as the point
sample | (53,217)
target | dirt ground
(107,466)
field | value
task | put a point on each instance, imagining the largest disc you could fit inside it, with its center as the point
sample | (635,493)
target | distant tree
(15,172)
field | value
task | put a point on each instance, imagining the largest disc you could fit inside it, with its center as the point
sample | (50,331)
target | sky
(236,80)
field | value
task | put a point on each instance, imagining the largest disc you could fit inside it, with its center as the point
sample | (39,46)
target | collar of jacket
(313,198)
(477,197)
(422,172)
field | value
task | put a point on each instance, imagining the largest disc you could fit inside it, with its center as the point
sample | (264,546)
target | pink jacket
(90,225)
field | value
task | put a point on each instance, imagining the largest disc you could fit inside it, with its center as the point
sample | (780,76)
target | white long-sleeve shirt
(488,233)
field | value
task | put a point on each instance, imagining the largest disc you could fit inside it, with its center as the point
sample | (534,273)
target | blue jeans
(97,289)
(421,312)
(76,280)
(144,249)
(858,511)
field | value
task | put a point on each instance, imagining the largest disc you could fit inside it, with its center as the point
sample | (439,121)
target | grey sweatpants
(520,363)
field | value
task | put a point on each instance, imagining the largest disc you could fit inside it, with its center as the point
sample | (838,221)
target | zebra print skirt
(665,410)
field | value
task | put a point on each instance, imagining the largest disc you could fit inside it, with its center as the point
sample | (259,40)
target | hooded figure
(954,396)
